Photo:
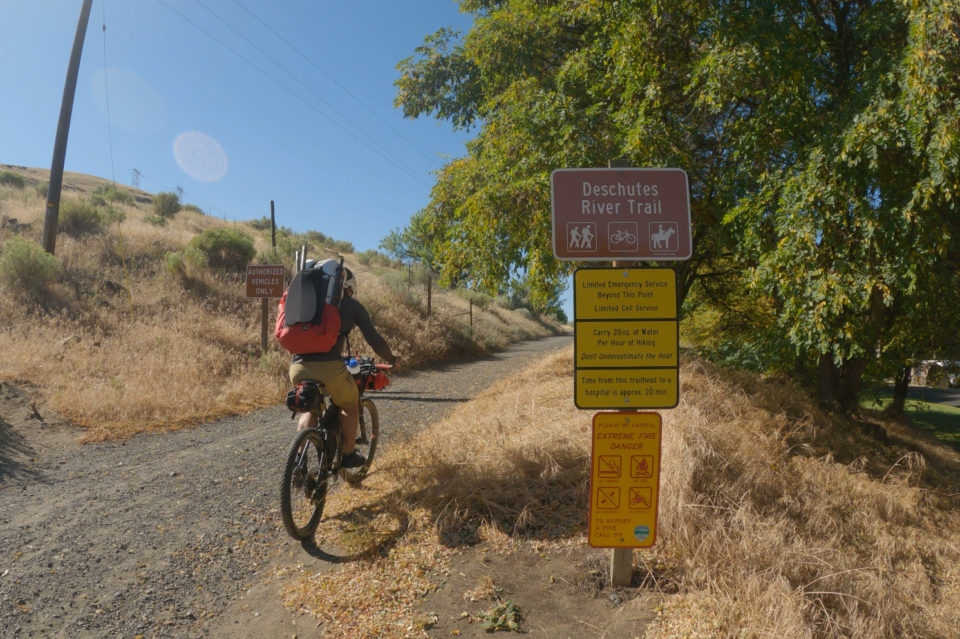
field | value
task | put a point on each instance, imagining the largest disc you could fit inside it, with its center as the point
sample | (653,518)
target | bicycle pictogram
(622,236)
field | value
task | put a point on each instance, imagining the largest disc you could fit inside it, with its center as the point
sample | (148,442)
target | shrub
(225,248)
(110,193)
(321,240)
(262,224)
(374,258)
(9,178)
(269,256)
(186,263)
(397,284)
(155,220)
(42,189)
(193,207)
(79,217)
(166,205)
(111,215)
(26,267)
(479,299)
(174,264)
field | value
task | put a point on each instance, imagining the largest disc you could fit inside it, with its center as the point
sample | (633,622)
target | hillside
(136,325)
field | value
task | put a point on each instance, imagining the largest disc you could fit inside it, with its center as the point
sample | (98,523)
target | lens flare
(200,156)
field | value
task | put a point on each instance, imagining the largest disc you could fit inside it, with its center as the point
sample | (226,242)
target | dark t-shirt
(352,313)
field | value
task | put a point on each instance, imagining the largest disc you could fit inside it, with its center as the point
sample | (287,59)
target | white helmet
(349,281)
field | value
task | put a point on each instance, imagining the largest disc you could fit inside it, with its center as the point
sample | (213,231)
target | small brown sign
(621,214)
(265,280)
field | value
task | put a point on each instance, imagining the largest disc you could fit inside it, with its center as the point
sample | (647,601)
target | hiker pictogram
(641,466)
(641,498)
(608,498)
(581,236)
(663,236)
(608,466)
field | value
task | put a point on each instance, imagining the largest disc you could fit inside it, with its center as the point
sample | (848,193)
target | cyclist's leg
(349,421)
(343,390)
(307,420)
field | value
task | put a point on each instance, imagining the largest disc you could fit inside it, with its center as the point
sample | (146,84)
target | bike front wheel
(368,434)
(303,490)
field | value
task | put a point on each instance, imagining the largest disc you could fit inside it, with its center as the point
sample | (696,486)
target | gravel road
(175,535)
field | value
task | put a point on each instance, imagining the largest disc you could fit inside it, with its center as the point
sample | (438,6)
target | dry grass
(119,345)
(490,472)
(775,520)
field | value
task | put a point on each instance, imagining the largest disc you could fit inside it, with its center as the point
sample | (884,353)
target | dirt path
(174,535)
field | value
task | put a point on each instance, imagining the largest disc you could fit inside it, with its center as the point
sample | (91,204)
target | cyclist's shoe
(353,460)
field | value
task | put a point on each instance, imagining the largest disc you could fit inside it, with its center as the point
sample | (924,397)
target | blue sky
(237,102)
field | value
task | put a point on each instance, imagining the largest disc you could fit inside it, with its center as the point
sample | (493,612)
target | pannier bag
(377,381)
(308,320)
(303,397)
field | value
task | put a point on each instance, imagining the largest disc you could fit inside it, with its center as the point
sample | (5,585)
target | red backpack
(308,320)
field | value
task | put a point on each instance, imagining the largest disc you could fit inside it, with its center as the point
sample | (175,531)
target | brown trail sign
(621,214)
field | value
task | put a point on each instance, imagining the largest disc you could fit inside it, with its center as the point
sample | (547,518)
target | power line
(302,83)
(309,104)
(106,90)
(337,82)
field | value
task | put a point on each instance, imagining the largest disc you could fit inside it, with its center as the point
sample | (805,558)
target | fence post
(429,293)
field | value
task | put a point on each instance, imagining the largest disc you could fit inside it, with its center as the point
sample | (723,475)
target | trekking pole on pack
(300,258)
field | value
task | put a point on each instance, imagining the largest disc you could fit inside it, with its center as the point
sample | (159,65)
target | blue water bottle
(353,366)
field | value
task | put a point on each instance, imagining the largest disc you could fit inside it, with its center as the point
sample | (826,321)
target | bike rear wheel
(303,490)
(368,434)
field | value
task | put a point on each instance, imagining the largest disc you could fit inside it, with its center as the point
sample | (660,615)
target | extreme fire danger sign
(621,214)
(624,480)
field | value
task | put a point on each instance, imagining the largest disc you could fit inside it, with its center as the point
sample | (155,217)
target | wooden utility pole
(264,307)
(63,128)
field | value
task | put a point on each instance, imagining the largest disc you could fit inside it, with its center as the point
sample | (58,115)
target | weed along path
(176,534)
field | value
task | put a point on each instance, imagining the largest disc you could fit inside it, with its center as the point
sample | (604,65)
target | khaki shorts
(333,375)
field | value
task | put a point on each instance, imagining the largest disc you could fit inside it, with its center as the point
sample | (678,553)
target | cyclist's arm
(374,339)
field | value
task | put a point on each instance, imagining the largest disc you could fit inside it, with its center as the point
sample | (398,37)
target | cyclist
(329,369)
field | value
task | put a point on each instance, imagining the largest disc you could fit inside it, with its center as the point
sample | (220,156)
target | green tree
(820,136)
(858,204)
(561,84)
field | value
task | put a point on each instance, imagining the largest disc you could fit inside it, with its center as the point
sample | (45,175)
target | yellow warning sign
(626,338)
(627,344)
(626,388)
(624,480)
(639,293)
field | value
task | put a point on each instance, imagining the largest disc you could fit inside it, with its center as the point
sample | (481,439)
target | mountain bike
(313,461)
